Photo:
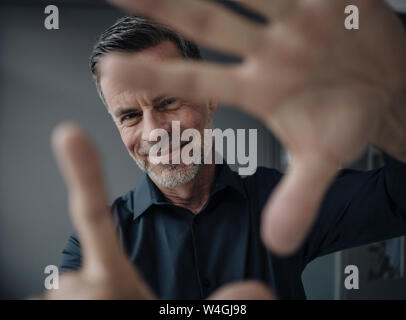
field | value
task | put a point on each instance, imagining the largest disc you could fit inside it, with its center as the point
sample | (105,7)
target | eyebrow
(122,111)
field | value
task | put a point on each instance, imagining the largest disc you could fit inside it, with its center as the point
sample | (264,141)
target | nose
(151,122)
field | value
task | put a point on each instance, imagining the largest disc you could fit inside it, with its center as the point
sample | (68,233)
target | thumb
(293,206)
(81,168)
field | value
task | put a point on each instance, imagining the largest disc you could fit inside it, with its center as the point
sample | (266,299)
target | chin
(168,175)
(171,176)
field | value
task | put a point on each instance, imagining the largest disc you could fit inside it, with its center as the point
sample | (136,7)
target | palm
(317,81)
(312,132)
(335,122)
(319,87)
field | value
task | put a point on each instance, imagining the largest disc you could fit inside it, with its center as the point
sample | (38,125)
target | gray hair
(133,34)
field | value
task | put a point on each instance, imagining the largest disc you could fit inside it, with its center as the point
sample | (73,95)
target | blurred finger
(194,80)
(88,201)
(293,206)
(245,290)
(202,21)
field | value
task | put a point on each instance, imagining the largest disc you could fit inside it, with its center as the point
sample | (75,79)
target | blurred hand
(320,88)
(106,273)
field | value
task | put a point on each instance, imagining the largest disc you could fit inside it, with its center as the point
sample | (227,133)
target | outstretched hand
(320,88)
(106,272)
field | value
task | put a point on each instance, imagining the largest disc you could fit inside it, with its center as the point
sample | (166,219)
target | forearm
(360,207)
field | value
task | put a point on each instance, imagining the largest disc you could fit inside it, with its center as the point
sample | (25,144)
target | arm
(365,207)
(360,208)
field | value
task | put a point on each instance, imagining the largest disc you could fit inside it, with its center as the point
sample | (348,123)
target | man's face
(136,114)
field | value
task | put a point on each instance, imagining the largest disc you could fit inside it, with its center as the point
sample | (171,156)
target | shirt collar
(227,178)
(147,193)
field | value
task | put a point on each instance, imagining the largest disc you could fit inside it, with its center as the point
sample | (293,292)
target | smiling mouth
(165,152)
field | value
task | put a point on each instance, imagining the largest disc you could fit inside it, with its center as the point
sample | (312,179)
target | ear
(212,105)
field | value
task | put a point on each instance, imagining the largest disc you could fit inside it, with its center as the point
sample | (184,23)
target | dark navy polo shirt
(182,255)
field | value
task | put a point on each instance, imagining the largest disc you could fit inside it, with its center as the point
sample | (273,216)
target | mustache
(145,147)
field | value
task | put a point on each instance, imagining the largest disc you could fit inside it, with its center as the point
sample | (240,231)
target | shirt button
(206,283)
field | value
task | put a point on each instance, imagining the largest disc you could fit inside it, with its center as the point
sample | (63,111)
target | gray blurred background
(45,80)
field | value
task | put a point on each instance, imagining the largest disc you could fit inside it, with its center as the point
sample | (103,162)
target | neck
(194,194)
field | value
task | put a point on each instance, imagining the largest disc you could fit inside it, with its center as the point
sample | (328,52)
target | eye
(130,118)
(168,104)
(169,101)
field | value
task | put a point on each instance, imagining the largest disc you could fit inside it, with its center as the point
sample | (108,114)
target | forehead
(166,50)
(118,91)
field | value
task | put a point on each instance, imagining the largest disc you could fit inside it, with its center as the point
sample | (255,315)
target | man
(191,229)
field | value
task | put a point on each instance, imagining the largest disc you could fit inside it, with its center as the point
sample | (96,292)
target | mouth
(169,151)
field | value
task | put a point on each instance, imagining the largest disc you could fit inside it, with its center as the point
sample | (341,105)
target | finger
(293,206)
(81,169)
(272,9)
(245,290)
(202,21)
(194,80)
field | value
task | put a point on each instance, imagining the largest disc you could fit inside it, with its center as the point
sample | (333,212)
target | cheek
(129,138)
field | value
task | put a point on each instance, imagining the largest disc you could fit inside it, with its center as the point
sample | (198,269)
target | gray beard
(170,175)
(173,175)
